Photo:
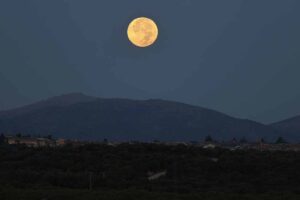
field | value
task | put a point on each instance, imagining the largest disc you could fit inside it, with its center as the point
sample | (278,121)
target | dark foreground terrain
(127,171)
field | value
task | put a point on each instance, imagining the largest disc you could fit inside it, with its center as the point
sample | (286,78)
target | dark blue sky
(240,57)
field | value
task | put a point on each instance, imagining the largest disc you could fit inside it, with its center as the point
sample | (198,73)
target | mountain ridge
(60,100)
(290,126)
(79,116)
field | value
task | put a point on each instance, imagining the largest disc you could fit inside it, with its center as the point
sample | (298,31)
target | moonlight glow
(142,32)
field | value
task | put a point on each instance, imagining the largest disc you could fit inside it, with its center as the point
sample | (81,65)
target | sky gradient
(239,57)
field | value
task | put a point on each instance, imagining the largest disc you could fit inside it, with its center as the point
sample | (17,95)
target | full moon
(142,32)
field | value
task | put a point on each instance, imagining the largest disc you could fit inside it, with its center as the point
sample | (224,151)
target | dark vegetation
(94,171)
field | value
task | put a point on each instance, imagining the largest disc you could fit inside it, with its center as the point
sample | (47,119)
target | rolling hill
(83,117)
(290,127)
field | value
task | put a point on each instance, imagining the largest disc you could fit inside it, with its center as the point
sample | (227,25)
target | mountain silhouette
(83,117)
(63,100)
(290,127)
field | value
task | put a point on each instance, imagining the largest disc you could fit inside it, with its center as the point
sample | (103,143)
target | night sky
(240,57)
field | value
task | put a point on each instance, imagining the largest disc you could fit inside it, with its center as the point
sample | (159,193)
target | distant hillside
(63,100)
(83,117)
(289,127)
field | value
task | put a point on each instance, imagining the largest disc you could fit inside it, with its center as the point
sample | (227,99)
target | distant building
(174,143)
(61,142)
(153,176)
(237,147)
(209,146)
(30,142)
(214,159)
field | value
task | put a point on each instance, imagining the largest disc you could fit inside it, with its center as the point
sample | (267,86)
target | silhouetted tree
(2,138)
(234,140)
(105,141)
(262,141)
(49,137)
(280,140)
(155,141)
(208,139)
(243,140)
